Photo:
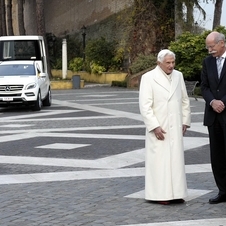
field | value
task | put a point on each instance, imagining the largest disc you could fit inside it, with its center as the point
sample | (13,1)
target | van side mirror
(42,75)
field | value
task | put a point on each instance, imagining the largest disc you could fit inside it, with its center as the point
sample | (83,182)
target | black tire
(38,103)
(48,100)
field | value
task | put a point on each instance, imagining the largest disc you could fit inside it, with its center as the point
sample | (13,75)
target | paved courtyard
(81,162)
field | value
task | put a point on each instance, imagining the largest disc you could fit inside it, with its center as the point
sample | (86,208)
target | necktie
(219,65)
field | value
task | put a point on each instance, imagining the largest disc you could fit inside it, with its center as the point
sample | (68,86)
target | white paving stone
(203,222)
(16,125)
(192,194)
(62,146)
(84,175)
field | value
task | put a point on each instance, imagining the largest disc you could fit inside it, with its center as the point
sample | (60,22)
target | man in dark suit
(213,86)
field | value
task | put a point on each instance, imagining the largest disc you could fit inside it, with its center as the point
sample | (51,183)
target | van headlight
(31,86)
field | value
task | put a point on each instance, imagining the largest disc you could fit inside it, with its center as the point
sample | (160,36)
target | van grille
(10,88)
(10,94)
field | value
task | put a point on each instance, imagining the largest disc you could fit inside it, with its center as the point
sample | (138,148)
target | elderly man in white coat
(165,108)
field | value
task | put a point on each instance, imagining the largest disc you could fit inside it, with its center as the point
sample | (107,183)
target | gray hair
(220,37)
(163,53)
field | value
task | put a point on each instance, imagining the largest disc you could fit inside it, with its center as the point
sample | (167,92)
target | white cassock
(164,103)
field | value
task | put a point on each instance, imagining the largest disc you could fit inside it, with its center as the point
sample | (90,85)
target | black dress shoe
(177,201)
(217,199)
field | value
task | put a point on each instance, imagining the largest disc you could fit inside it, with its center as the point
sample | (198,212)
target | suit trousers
(217,137)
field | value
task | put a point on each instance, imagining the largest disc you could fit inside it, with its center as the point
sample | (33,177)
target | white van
(24,78)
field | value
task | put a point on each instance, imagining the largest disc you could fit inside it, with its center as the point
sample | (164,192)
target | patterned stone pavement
(81,162)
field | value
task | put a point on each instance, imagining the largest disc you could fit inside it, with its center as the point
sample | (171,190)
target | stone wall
(104,78)
(63,17)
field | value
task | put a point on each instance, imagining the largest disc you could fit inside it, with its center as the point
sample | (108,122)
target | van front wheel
(48,100)
(38,103)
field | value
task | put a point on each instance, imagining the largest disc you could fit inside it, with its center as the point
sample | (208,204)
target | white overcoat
(164,103)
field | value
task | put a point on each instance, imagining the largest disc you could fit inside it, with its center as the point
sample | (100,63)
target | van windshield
(17,69)
(19,50)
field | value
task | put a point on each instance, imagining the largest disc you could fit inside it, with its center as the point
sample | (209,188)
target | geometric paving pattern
(81,162)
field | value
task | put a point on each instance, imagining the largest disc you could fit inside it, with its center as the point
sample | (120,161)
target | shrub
(119,83)
(76,64)
(142,62)
(97,69)
(190,51)
(102,53)
(57,64)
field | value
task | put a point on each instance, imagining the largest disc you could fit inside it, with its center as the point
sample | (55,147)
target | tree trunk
(3,17)
(1,33)
(9,17)
(41,29)
(21,17)
(184,19)
(190,15)
(178,12)
(40,17)
(217,13)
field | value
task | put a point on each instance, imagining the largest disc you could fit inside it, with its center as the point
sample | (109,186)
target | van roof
(16,62)
(21,37)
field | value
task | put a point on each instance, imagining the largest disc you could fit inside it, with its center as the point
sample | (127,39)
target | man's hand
(159,133)
(218,106)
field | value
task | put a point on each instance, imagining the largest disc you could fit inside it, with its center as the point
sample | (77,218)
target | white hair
(162,54)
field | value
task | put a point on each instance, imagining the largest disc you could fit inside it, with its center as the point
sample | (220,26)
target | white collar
(223,56)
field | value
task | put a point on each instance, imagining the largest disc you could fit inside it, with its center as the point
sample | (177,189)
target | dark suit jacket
(212,88)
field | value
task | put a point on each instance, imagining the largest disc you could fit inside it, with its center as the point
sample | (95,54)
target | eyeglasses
(211,47)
